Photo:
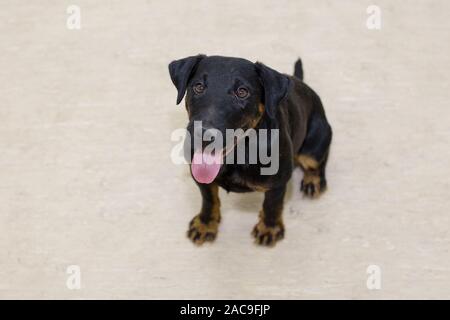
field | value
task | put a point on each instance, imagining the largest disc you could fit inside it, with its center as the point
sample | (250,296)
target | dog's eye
(199,88)
(242,92)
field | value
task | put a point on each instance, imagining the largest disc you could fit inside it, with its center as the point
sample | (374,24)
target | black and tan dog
(232,93)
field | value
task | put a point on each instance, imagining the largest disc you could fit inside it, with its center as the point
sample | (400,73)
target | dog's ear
(275,87)
(180,72)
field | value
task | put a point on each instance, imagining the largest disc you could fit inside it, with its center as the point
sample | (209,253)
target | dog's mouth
(206,165)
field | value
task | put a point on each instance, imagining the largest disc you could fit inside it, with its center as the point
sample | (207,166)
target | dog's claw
(268,236)
(312,186)
(200,232)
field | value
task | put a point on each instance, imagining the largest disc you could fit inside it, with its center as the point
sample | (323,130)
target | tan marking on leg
(200,232)
(312,178)
(216,203)
(268,235)
(307,162)
(311,184)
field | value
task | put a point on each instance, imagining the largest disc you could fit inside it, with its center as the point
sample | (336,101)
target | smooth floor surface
(86,176)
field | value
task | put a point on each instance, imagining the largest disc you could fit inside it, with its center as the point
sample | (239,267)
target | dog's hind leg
(313,155)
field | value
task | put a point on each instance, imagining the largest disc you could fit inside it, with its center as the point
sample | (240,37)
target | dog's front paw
(312,185)
(268,235)
(200,232)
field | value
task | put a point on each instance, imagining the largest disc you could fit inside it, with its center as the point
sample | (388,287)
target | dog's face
(226,93)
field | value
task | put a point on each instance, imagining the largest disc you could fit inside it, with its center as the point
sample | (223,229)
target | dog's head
(226,93)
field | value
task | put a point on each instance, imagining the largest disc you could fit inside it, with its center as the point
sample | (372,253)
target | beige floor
(85,171)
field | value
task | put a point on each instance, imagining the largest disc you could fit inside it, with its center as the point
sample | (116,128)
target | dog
(233,93)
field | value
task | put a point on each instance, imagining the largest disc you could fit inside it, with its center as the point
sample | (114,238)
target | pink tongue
(206,166)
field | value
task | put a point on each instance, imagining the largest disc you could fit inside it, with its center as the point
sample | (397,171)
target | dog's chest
(242,181)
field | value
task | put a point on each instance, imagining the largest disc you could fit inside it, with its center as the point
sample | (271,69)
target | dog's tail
(298,69)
